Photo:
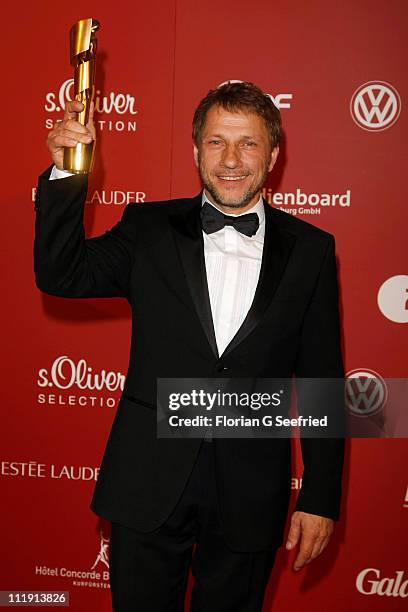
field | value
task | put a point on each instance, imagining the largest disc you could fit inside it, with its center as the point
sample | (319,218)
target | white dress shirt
(233,263)
(58,174)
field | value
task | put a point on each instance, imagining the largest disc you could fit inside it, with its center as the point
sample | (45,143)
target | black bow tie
(213,220)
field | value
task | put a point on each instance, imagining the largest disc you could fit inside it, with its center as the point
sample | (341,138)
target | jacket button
(220,367)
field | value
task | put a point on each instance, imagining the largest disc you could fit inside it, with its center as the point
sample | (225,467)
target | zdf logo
(280,100)
(375,106)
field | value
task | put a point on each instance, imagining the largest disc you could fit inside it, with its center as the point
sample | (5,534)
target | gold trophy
(79,159)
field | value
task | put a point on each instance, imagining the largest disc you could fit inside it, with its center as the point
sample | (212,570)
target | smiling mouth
(232,178)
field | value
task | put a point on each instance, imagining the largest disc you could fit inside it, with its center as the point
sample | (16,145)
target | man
(214,293)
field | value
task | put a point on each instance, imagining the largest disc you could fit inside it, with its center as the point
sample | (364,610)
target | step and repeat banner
(337,72)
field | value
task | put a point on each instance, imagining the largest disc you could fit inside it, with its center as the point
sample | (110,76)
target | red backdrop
(63,359)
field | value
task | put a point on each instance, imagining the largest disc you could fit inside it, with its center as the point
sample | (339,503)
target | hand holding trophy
(71,142)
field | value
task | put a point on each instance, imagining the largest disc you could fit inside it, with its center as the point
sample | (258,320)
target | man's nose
(231,157)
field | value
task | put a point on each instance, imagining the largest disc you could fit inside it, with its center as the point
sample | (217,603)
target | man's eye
(250,144)
(215,142)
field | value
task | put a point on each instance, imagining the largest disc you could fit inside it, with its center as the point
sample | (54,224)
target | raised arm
(67,264)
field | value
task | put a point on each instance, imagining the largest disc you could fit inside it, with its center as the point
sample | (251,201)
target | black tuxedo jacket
(154,258)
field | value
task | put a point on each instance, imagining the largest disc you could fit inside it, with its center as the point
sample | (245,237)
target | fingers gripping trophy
(78,159)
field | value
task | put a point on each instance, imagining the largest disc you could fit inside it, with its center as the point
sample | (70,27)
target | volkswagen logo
(375,106)
(366,392)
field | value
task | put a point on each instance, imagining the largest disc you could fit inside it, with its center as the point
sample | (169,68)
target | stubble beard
(233,204)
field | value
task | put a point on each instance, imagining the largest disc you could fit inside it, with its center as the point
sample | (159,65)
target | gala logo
(369,582)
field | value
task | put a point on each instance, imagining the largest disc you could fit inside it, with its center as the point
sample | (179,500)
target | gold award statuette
(79,159)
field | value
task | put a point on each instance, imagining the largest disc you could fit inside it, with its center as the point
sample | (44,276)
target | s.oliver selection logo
(375,106)
(75,383)
(120,106)
(370,582)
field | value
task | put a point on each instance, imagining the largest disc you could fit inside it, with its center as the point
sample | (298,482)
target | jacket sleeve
(67,264)
(320,356)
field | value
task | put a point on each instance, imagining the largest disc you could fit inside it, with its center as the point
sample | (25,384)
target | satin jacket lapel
(189,241)
(277,247)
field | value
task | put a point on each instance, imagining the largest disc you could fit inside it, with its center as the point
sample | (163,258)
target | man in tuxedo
(220,285)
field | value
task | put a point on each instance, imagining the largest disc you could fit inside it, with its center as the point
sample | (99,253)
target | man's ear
(274,157)
(195,153)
